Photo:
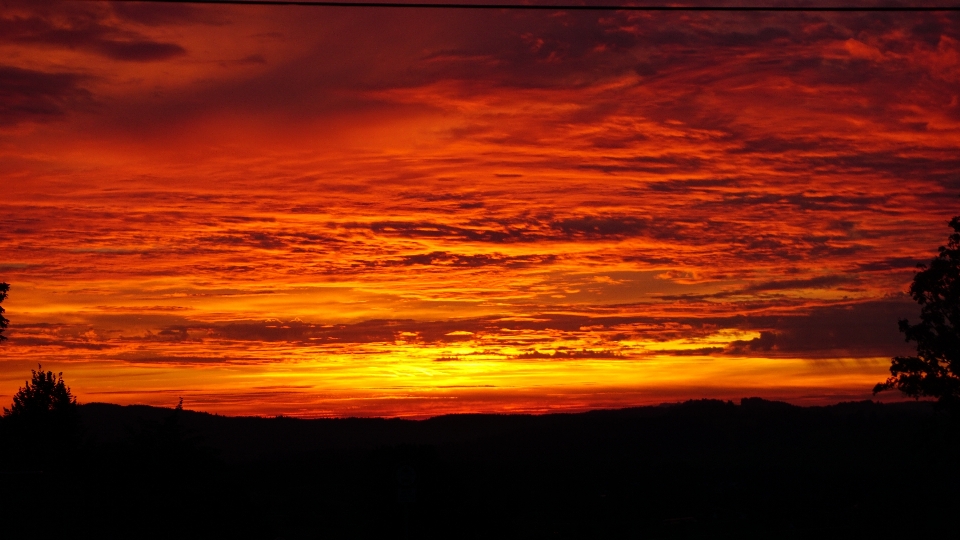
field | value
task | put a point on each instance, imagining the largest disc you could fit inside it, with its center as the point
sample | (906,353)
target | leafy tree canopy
(935,370)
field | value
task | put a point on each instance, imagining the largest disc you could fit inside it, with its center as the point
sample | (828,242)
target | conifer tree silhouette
(43,424)
(45,395)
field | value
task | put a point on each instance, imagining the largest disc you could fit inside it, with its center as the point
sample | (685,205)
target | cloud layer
(594,204)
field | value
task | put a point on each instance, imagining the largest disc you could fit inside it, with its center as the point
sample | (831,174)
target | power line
(550,7)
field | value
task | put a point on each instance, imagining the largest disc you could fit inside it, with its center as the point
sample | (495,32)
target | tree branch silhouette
(935,370)
(4,289)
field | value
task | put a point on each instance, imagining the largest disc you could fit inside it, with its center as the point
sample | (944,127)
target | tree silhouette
(45,395)
(42,426)
(935,370)
(4,289)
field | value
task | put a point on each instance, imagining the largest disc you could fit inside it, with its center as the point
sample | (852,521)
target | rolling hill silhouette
(714,469)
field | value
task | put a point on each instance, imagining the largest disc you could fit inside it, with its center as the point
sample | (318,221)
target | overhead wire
(549,7)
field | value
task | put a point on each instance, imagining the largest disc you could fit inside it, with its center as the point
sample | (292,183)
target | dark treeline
(701,469)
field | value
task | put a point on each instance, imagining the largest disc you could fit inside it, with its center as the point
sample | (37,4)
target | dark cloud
(818,282)
(29,341)
(462,200)
(704,351)
(890,263)
(671,163)
(528,229)
(531,51)
(370,331)
(860,330)
(857,330)
(764,343)
(252,59)
(291,241)
(295,331)
(28,95)
(261,240)
(563,354)
(601,226)
(443,258)
(83,31)
(942,168)
(150,357)
(140,309)
(138,51)
(165,14)
(866,329)
(772,145)
(488,50)
(684,187)
(801,201)
(760,37)
(413,229)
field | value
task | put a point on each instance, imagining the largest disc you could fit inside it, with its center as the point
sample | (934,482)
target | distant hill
(244,438)
(699,469)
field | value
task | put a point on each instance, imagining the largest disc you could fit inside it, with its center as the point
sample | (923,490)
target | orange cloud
(454,211)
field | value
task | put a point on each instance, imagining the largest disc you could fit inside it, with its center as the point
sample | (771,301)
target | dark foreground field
(701,469)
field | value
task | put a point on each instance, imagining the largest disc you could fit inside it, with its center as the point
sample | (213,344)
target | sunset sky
(381,212)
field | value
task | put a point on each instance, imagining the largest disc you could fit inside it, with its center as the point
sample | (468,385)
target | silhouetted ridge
(698,469)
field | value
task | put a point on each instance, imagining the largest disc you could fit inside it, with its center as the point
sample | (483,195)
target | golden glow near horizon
(328,212)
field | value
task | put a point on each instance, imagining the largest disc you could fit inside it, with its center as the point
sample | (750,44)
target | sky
(325,212)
